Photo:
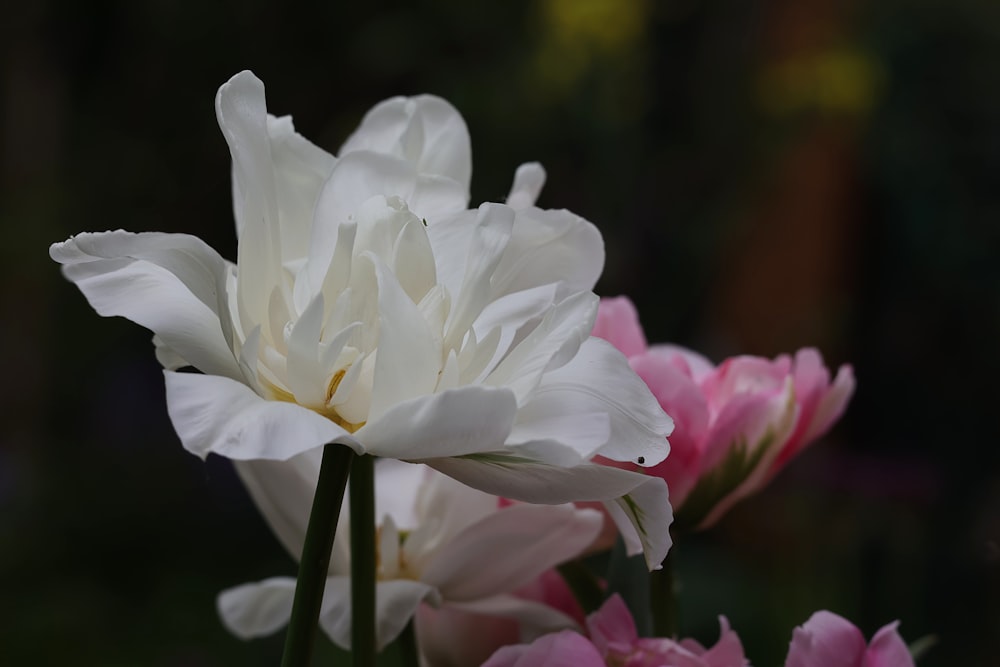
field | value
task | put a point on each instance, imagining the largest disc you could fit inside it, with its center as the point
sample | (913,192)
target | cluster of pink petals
(825,640)
(736,424)
(828,640)
(614,641)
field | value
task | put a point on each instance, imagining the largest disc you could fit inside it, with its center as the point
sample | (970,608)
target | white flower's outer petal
(167,357)
(168,283)
(395,604)
(283,492)
(397,485)
(550,345)
(639,426)
(258,609)
(560,440)
(213,414)
(459,421)
(551,246)
(409,356)
(426,131)
(528,182)
(242,114)
(535,618)
(359,176)
(644,497)
(300,170)
(643,518)
(509,548)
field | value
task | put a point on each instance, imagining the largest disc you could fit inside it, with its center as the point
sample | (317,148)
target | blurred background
(767,176)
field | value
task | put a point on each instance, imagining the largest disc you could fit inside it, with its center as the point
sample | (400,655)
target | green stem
(315,561)
(583,584)
(363,562)
(407,642)
(663,598)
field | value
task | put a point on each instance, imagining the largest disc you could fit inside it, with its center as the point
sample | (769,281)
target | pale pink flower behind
(737,424)
(828,640)
(615,641)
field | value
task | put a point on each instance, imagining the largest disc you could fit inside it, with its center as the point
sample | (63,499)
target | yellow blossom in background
(836,81)
(577,35)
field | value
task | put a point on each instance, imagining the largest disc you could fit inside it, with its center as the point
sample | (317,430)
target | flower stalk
(315,562)
(409,655)
(663,598)
(363,561)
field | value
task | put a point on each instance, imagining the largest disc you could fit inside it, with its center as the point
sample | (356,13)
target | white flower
(439,542)
(369,307)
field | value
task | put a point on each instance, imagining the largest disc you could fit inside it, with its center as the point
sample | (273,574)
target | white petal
(509,548)
(563,440)
(490,236)
(551,344)
(306,377)
(519,479)
(242,114)
(451,423)
(643,517)
(172,284)
(283,492)
(528,182)
(409,356)
(599,379)
(551,246)
(359,176)
(395,603)
(225,417)
(397,484)
(425,130)
(167,357)
(258,609)
(535,618)
(300,170)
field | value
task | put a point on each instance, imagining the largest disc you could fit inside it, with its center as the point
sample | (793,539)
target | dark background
(767,176)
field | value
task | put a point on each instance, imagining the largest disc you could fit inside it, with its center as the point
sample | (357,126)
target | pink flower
(827,640)
(736,424)
(614,641)
(453,637)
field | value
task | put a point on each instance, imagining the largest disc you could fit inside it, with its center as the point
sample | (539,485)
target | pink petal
(563,649)
(618,323)
(728,651)
(682,399)
(826,640)
(612,624)
(887,649)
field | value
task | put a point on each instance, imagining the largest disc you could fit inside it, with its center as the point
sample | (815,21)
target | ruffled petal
(563,649)
(459,421)
(426,131)
(300,169)
(550,246)
(528,182)
(509,548)
(258,609)
(395,604)
(283,492)
(213,414)
(612,624)
(241,110)
(638,503)
(599,379)
(553,343)
(172,284)
(826,640)
(361,175)
(887,649)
